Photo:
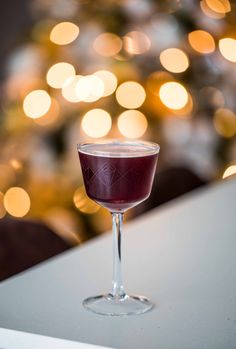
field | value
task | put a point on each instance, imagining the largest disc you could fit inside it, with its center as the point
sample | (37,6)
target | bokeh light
(51,116)
(156,80)
(69,89)
(89,88)
(96,123)
(186,111)
(174,60)
(231,170)
(64,33)
(219,6)
(17,202)
(36,104)
(16,164)
(107,44)
(173,95)
(209,12)
(59,73)
(225,122)
(136,42)
(109,81)
(83,203)
(227,47)
(2,208)
(130,95)
(132,124)
(201,41)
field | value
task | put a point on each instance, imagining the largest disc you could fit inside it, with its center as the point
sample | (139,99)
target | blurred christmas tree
(163,71)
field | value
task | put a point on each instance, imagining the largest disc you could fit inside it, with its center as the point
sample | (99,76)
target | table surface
(181,255)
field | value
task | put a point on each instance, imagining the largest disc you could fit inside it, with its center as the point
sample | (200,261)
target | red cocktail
(118,175)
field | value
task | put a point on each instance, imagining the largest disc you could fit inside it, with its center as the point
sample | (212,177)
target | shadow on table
(26,243)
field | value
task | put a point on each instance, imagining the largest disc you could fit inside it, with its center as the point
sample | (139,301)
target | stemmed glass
(118,175)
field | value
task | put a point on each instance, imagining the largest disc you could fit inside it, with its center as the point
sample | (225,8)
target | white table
(182,256)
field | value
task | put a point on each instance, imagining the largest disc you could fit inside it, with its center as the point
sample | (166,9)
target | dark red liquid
(120,182)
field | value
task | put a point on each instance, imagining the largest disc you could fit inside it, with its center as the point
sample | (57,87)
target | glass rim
(153,147)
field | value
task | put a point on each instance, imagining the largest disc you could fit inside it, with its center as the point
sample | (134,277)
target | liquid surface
(125,149)
(121,178)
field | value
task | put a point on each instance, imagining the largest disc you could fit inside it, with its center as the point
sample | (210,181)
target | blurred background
(78,70)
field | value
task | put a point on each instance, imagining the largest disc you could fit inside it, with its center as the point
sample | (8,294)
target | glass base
(117,305)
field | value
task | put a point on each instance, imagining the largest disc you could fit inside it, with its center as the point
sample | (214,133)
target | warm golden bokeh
(109,81)
(36,104)
(136,42)
(96,123)
(173,95)
(59,73)
(130,95)
(69,89)
(219,6)
(89,88)
(225,122)
(51,116)
(227,47)
(156,80)
(64,33)
(186,111)
(201,41)
(16,164)
(132,124)
(107,44)
(230,171)
(2,208)
(174,60)
(83,203)
(209,12)
(17,202)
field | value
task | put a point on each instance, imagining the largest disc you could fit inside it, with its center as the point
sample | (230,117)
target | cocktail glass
(118,175)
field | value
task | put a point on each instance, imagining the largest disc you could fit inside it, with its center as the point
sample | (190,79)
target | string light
(51,116)
(16,164)
(130,95)
(156,80)
(96,123)
(186,111)
(107,44)
(89,88)
(227,47)
(36,104)
(17,202)
(230,171)
(59,73)
(109,81)
(219,6)
(64,33)
(209,12)
(132,124)
(136,42)
(174,60)
(173,95)
(201,41)
(69,89)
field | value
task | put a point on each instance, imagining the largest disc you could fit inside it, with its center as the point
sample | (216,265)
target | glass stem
(117,286)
